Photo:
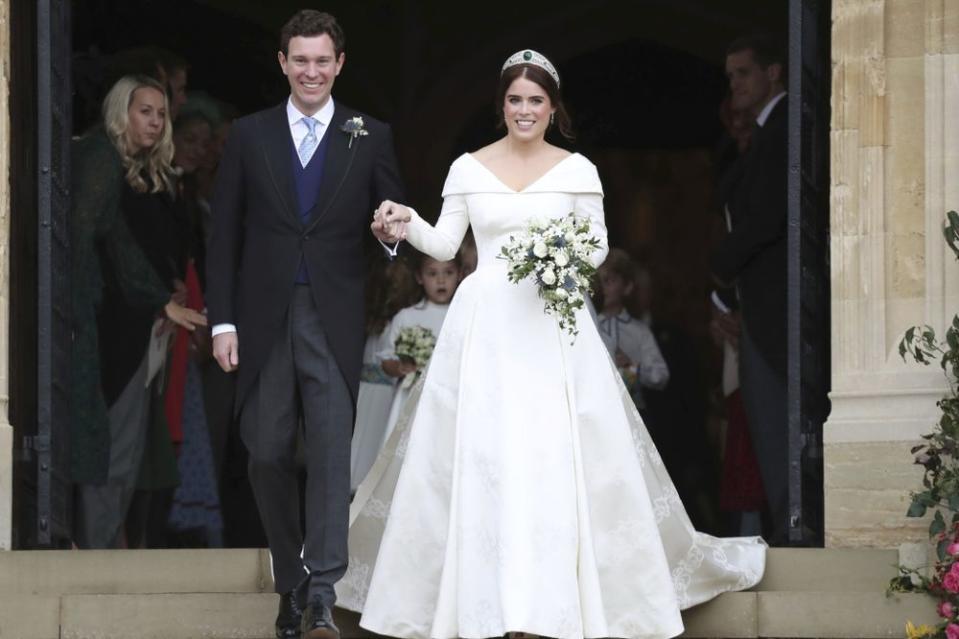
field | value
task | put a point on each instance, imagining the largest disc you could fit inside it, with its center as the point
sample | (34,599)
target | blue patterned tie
(309,143)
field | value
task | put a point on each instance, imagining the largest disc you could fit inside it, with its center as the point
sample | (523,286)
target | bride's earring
(552,118)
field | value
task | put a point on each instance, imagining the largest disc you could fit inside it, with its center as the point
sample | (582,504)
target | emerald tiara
(528,56)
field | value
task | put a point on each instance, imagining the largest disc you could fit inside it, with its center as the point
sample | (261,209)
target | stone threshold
(215,594)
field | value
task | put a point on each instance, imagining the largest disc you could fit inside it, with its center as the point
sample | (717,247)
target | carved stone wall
(895,172)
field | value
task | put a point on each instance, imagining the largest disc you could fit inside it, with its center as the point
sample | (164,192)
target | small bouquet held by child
(414,344)
(555,255)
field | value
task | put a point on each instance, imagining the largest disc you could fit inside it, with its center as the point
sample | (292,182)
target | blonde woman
(115,281)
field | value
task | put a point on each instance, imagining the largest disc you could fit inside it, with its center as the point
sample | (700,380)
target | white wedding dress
(520,490)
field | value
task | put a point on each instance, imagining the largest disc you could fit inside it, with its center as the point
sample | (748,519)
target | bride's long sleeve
(590,206)
(442,241)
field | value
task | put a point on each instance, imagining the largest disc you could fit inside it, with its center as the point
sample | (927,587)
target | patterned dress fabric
(520,490)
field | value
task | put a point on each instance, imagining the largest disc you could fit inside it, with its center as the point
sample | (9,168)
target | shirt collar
(323,116)
(622,316)
(764,114)
(606,321)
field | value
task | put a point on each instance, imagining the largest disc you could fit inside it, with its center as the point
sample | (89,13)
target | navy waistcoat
(308,180)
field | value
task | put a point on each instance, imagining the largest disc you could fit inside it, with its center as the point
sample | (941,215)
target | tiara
(528,56)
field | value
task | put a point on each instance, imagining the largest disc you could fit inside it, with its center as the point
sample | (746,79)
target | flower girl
(390,287)
(406,347)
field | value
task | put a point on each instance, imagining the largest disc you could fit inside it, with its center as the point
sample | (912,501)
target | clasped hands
(389,222)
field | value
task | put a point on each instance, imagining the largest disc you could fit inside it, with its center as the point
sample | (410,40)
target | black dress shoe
(289,618)
(318,622)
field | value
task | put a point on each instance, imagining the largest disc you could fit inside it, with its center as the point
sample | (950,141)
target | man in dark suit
(292,204)
(753,258)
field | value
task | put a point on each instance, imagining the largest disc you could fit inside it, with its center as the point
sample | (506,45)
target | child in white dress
(629,341)
(390,287)
(438,281)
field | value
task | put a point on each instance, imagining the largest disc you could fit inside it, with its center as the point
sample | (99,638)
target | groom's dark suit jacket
(258,237)
(753,255)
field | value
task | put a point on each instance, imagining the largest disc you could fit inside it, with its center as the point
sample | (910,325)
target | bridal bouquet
(414,344)
(555,255)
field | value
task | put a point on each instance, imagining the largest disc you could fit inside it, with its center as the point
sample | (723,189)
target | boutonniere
(355,127)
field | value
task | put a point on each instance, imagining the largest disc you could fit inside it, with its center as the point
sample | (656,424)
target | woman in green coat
(132,149)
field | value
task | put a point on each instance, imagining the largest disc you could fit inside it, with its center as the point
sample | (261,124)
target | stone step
(57,572)
(745,615)
(853,615)
(829,570)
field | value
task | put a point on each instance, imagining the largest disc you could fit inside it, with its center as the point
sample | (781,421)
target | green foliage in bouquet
(555,254)
(415,344)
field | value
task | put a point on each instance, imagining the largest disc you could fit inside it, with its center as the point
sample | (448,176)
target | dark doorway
(644,82)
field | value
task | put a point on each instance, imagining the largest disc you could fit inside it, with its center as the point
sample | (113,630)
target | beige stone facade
(895,172)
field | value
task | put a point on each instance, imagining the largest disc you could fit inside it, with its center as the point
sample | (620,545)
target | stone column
(895,172)
(6,430)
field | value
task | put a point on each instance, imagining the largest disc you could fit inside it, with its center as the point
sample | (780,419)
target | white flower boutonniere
(355,127)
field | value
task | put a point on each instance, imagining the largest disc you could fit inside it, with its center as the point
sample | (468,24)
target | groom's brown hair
(308,23)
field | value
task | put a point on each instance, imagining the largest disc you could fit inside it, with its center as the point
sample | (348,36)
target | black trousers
(764,398)
(301,386)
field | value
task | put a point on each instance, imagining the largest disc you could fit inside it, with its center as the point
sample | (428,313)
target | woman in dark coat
(130,153)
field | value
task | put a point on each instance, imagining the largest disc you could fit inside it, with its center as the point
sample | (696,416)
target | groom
(291,206)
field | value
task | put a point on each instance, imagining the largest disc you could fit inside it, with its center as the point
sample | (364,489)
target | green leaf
(916,509)
(938,524)
(941,548)
(952,339)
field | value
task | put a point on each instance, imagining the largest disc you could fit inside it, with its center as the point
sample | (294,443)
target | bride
(521,492)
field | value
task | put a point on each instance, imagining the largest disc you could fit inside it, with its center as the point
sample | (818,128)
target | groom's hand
(226,350)
(389,221)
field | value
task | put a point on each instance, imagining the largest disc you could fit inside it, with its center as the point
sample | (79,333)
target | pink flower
(945,609)
(951,583)
(953,548)
(952,631)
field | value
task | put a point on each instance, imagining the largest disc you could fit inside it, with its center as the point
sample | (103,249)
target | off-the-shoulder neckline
(528,186)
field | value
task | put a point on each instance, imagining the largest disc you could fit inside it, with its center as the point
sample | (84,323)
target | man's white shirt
(764,114)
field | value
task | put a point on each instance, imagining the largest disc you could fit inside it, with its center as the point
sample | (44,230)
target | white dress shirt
(630,335)
(298,128)
(298,131)
(764,114)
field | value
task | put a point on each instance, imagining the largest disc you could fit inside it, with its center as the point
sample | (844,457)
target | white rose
(561,258)
(540,250)
(561,293)
(549,277)
(570,236)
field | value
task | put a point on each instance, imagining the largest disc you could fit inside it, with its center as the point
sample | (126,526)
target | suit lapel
(336,168)
(276,148)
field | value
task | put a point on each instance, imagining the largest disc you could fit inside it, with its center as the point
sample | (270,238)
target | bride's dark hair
(541,77)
